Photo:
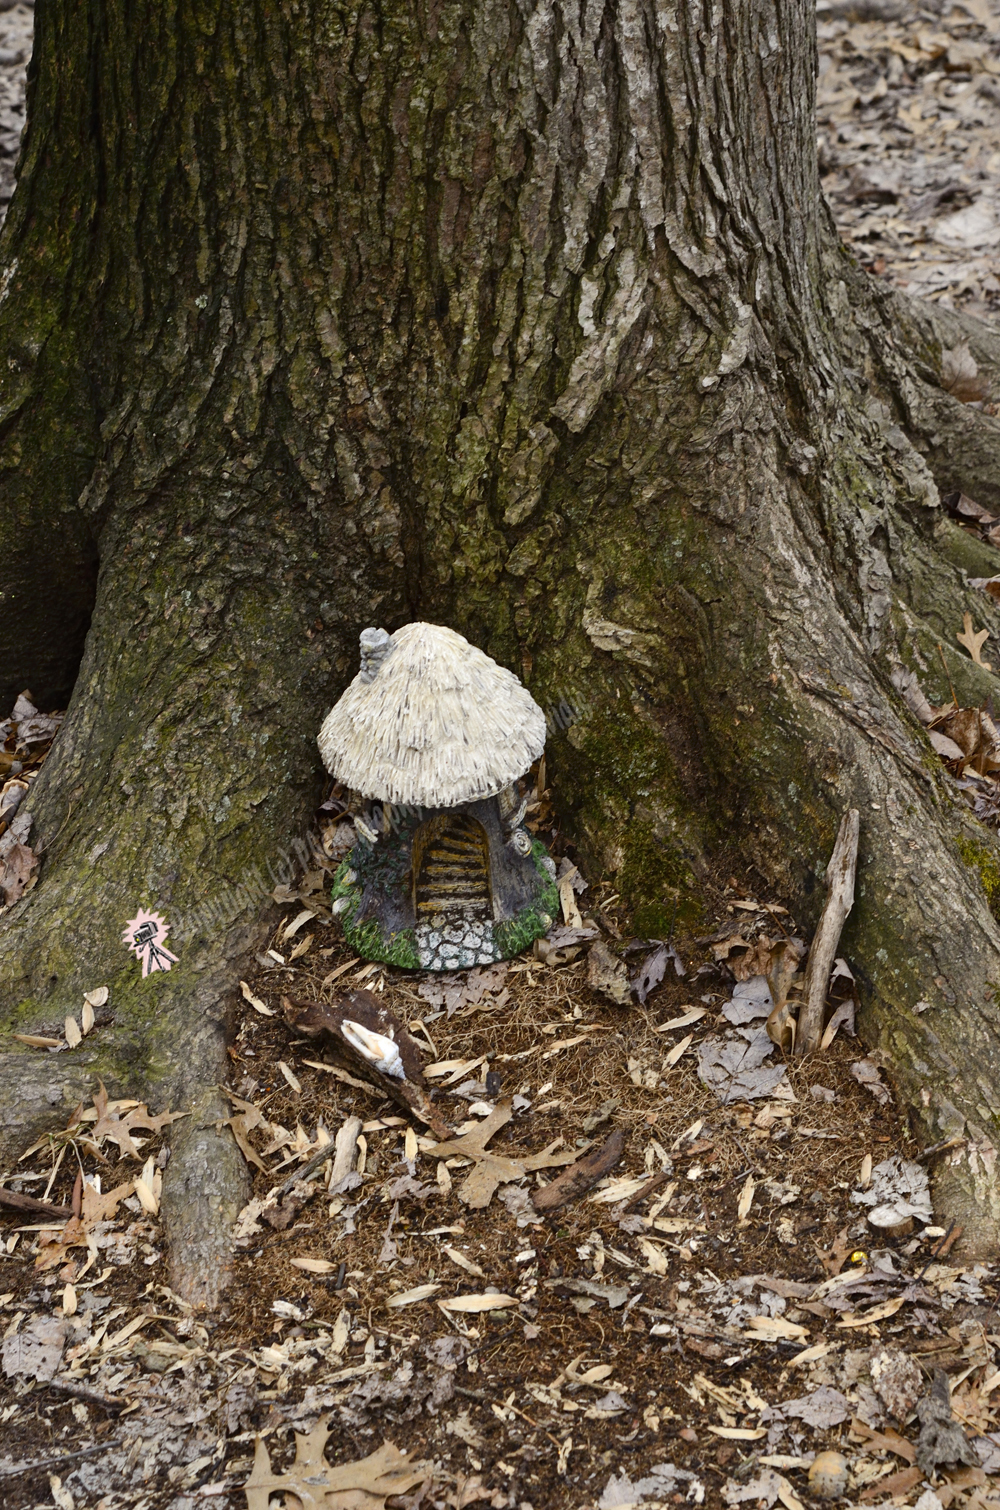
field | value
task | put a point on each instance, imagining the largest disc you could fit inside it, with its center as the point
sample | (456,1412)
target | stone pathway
(455,944)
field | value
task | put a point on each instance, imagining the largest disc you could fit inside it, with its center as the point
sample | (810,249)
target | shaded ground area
(694,1329)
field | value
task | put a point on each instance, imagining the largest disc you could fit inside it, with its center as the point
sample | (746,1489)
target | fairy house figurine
(431,739)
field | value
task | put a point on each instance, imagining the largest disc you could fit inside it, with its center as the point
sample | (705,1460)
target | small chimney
(375,646)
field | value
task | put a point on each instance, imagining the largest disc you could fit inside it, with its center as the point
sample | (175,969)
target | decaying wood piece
(581,1176)
(318,1019)
(839,901)
(344,1148)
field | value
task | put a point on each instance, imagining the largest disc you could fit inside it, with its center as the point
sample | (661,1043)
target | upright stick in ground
(839,901)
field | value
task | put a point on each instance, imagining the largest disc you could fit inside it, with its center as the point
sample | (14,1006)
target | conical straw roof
(439,723)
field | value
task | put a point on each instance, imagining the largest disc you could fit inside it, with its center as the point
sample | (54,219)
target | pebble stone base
(447,944)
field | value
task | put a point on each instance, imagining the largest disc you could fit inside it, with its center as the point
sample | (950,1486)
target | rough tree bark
(525,317)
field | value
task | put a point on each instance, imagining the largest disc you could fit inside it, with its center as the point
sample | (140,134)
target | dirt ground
(656,1341)
(908,117)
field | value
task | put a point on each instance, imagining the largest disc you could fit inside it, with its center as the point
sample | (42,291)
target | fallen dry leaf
(490,1169)
(608,975)
(362,1485)
(774,1328)
(36,1352)
(974,641)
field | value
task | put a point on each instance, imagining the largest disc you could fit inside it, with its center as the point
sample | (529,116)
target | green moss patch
(983,858)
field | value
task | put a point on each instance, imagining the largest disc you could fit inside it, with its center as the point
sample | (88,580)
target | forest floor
(908,117)
(695,1328)
(698,1326)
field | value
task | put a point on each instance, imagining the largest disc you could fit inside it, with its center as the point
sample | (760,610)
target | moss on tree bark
(524,318)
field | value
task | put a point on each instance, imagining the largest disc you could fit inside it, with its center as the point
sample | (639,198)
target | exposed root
(204,1189)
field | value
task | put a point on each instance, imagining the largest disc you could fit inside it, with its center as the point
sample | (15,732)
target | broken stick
(839,901)
(28,1204)
(581,1176)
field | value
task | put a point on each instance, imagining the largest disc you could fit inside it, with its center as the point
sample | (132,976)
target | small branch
(66,1457)
(839,901)
(654,1183)
(29,1204)
(83,1392)
(581,1176)
(305,1170)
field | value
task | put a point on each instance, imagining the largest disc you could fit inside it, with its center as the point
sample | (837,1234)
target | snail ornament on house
(432,739)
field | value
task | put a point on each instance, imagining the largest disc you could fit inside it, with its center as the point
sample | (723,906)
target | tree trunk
(527,319)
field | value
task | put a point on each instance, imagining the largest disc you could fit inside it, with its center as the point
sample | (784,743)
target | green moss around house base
(534,921)
(398,949)
(367,939)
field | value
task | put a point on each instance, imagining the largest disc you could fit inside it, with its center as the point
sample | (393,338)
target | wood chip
(255,1001)
(678,1049)
(412,1297)
(474,1304)
(292,1081)
(739,1433)
(463,1262)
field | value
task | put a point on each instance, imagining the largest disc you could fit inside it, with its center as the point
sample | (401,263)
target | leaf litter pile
(908,116)
(574,1230)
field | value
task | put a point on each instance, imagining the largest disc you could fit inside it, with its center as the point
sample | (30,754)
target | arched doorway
(451,873)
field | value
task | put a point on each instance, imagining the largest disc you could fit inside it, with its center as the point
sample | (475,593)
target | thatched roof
(435,724)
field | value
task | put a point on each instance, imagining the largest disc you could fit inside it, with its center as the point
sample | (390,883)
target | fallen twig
(36,1208)
(578,1178)
(493,1341)
(83,1392)
(925,1153)
(654,1183)
(65,1457)
(941,1248)
(839,901)
(305,1170)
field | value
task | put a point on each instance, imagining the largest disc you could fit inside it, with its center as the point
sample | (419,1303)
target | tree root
(204,1189)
